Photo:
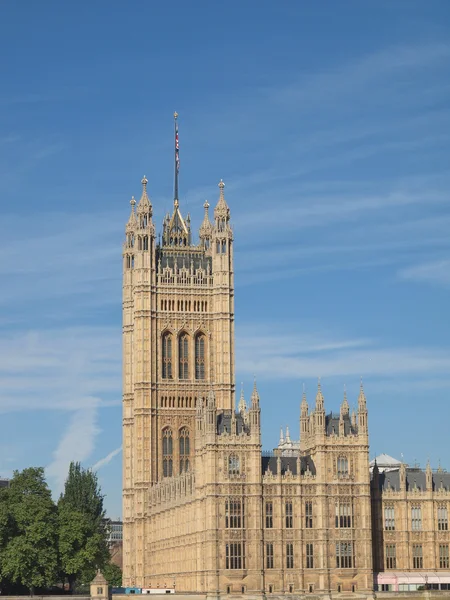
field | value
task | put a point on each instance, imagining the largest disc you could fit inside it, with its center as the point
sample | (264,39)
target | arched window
(167,451)
(167,356)
(342,466)
(183,356)
(234,467)
(185,449)
(200,344)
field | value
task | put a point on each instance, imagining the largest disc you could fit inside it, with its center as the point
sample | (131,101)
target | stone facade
(204,509)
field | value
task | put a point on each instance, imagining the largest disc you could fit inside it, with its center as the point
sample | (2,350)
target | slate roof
(414,477)
(287,463)
(332,424)
(224,423)
(183,259)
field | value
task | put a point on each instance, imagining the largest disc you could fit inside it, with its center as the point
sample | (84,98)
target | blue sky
(329,123)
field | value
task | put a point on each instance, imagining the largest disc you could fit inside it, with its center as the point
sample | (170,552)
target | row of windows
(417,556)
(416,518)
(185,305)
(183,356)
(184,450)
(142,241)
(344,556)
(177,402)
(343,515)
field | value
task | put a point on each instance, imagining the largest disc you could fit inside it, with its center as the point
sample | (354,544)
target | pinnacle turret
(132,221)
(144,209)
(242,407)
(345,408)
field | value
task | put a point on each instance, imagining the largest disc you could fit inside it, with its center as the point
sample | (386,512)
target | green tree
(28,531)
(82,533)
(113,574)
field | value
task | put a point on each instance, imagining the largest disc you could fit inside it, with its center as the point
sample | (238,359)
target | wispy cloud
(59,369)
(76,444)
(437,272)
(106,459)
(288,357)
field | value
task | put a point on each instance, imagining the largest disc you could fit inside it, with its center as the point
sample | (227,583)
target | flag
(177,150)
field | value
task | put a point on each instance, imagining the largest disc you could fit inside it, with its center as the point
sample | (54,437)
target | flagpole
(176,161)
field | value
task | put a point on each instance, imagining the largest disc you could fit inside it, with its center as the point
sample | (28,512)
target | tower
(178,347)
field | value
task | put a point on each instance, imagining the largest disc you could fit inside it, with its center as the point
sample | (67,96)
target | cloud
(437,272)
(59,369)
(296,356)
(107,459)
(76,444)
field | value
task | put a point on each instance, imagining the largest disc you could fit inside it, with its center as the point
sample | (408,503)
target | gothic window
(183,356)
(167,356)
(145,242)
(269,556)
(389,518)
(200,342)
(391,556)
(344,555)
(343,514)
(342,466)
(167,447)
(416,518)
(289,517)
(309,556)
(444,560)
(235,556)
(184,447)
(233,465)
(308,514)
(442,517)
(289,556)
(269,515)
(417,556)
(234,513)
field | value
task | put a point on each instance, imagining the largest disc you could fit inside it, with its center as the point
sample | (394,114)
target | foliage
(28,531)
(82,533)
(113,574)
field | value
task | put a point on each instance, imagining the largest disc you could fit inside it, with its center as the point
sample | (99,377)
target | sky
(329,124)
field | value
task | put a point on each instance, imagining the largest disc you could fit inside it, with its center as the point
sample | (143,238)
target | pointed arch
(184,449)
(167,451)
(167,355)
(183,355)
(200,355)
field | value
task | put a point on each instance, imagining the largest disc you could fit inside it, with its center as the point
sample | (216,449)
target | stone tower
(178,346)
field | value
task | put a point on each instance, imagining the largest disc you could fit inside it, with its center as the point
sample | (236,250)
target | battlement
(170,492)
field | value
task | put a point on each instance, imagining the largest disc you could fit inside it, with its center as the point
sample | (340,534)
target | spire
(362,396)
(242,407)
(288,435)
(177,161)
(345,408)
(319,397)
(222,211)
(281,442)
(132,221)
(255,396)
(206,226)
(304,403)
(144,208)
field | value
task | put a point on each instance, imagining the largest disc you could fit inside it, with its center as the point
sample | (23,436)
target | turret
(206,228)
(144,209)
(211,417)
(255,414)
(319,412)
(304,421)
(222,234)
(345,409)
(362,411)
(429,477)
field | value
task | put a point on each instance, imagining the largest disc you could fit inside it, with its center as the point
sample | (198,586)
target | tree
(28,531)
(113,574)
(82,533)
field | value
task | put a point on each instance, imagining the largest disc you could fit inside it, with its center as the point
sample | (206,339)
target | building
(115,540)
(4,482)
(205,509)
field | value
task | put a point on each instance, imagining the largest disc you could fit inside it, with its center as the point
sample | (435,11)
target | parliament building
(205,510)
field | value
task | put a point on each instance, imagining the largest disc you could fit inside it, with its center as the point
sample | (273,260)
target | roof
(288,463)
(384,460)
(99,579)
(332,424)
(415,478)
(224,423)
